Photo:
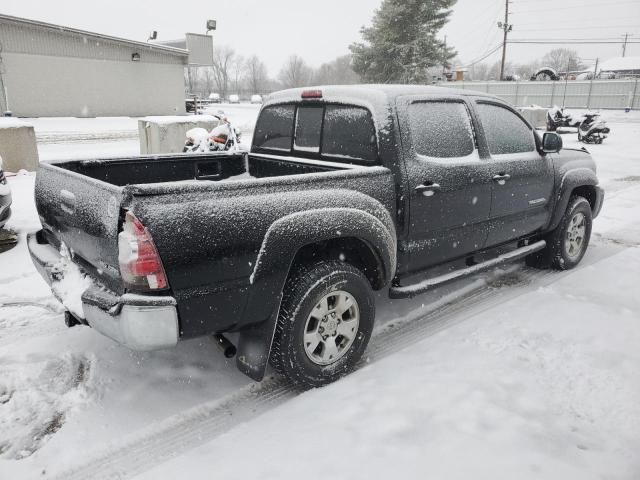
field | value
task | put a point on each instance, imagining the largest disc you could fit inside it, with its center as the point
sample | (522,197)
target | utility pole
(506,28)
(624,45)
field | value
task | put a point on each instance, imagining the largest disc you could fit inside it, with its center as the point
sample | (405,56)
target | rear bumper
(5,204)
(139,322)
(598,203)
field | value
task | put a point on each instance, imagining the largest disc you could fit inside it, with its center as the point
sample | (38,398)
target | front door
(450,185)
(522,177)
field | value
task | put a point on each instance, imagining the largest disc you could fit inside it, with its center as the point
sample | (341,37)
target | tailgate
(81,214)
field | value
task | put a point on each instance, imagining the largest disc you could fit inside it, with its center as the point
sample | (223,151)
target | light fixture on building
(153,35)
(211,25)
(135,57)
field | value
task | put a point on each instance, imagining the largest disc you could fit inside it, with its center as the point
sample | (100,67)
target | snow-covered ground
(513,374)
(68,138)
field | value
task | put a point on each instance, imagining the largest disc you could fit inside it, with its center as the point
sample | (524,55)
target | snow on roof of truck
(376,97)
(370,92)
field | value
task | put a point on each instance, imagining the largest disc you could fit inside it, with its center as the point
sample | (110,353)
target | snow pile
(169,120)
(11,122)
(71,286)
(36,395)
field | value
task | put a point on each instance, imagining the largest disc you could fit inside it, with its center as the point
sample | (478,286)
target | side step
(409,291)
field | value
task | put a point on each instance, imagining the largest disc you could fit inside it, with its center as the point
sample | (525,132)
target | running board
(409,291)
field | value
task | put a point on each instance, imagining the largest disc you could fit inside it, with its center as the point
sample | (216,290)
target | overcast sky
(320,30)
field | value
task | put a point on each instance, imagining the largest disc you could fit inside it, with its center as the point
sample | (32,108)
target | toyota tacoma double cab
(346,190)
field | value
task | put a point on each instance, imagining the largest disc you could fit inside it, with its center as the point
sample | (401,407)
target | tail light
(140,264)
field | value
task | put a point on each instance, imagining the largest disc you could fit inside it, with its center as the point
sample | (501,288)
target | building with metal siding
(49,70)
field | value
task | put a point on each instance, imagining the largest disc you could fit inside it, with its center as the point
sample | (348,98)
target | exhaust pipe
(227,348)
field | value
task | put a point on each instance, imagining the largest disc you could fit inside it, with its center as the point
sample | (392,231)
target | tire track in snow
(177,434)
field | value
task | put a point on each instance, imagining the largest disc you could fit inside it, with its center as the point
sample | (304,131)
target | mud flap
(254,347)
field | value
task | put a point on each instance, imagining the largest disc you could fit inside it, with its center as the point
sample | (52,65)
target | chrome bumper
(138,327)
(139,322)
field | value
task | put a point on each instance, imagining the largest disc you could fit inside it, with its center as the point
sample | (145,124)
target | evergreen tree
(401,43)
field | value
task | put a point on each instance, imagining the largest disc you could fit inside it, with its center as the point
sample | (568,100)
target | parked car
(234,98)
(215,98)
(5,198)
(193,105)
(256,98)
(346,190)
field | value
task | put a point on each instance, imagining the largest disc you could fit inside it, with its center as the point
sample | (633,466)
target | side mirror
(551,142)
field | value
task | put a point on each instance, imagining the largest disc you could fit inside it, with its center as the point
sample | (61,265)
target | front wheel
(325,321)
(567,244)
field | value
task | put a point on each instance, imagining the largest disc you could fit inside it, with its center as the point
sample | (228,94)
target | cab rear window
(274,130)
(337,133)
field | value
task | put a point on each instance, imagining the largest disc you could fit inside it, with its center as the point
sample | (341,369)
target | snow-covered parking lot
(516,373)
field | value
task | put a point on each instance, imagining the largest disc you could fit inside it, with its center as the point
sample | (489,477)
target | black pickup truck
(346,190)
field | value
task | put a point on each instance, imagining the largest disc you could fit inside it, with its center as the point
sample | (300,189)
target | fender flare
(282,242)
(289,234)
(579,177)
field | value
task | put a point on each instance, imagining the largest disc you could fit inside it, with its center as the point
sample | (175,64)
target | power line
(570,42)
(573,7)
(484,56)
(599,27)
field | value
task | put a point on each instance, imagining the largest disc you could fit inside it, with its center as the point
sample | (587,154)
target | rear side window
(274,130)
(441,129)
(504,130)
(349,133)
(308,129)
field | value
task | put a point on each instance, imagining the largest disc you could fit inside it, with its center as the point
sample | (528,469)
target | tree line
(232,73)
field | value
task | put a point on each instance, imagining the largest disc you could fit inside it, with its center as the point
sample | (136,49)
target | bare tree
(336,72)
(209,78)
(223,58)
(256,73)
(526,70)
(295,73)
(563,60)
(479,71)
(237,74)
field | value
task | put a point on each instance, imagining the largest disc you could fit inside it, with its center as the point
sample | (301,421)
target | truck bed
(184,199)
(204,167)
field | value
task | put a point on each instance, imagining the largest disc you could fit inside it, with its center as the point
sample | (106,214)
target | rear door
(522,177)
(450,183)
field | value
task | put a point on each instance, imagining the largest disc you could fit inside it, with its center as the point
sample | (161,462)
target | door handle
(428,189)
(501,178)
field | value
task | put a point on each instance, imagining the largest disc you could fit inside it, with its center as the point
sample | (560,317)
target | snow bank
(36,396)
(168,120)
(11,122)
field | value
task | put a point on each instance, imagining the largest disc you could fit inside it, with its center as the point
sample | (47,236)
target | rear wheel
(324,324)
(567,244)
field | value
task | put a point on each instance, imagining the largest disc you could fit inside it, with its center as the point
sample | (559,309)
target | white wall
(49,86)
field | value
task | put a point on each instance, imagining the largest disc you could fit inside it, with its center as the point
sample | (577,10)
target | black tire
(303,291)
(557,253)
